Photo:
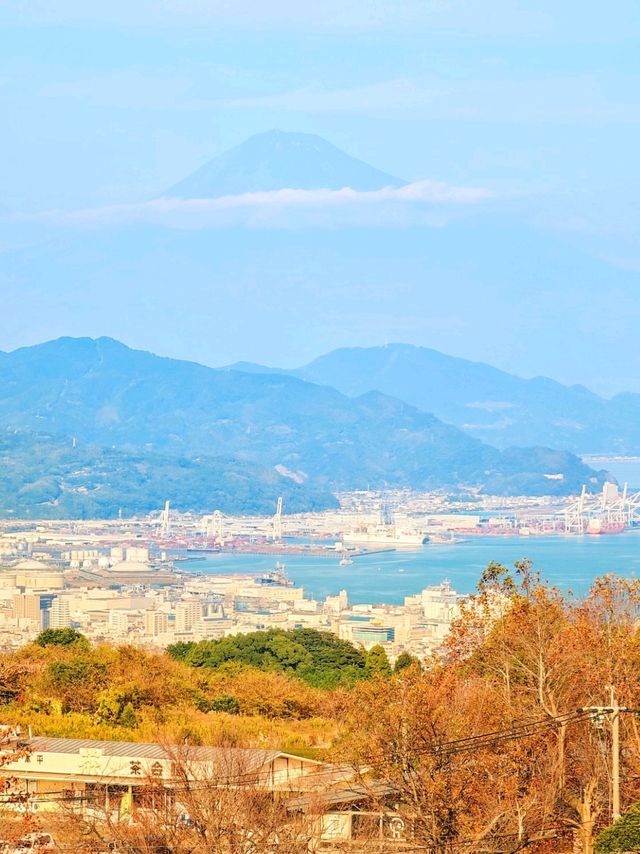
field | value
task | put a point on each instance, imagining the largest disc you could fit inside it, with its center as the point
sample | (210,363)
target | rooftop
(247,758)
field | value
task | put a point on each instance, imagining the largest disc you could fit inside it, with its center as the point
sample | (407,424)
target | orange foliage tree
(496,747)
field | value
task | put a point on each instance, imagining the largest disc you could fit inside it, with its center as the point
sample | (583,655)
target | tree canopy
(61,637)
(320,658)
(623,835)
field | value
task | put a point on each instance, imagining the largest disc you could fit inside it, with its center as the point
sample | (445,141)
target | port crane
(165,519)
(606,512)
(214,528)
(277,521)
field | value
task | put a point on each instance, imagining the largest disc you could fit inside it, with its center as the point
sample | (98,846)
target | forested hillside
(44,477)
(493,405)
(200,437)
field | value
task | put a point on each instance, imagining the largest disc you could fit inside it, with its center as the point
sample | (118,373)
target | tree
(488,745)
(399,731)
(404,660)
(13,679)
(180,650)
(117,705)
(225,703)
(496,577)
(623,835)
(377,662)
(76,683)
(127,717)
(319,658)
(61,637)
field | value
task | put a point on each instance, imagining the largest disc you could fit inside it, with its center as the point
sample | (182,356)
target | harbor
(569,562)
(284,549)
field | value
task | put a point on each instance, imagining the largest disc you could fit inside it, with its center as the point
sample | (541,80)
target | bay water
(568,562)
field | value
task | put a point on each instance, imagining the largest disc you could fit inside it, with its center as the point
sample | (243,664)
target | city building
(187,615)
(156,623)
(26,606)
(59,614)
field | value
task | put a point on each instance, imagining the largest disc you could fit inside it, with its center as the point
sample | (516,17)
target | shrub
(225,703)
(62,637)
(623,835)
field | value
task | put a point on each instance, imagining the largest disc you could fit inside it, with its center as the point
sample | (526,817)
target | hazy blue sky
(535,104)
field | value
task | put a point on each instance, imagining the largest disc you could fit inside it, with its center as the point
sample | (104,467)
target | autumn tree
(496,743)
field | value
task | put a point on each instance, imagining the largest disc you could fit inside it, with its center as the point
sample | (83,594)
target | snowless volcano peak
(276,160)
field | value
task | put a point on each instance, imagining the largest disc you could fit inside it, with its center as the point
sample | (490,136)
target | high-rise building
(46,600)
(59,614)
(26,606)
(187,615)
(119,621)
(155,623)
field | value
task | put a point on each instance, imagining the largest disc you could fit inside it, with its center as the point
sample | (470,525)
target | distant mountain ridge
(493,405)
(276,160)
(486,271)
(109,396)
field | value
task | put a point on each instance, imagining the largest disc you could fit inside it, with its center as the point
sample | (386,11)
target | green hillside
(43,478)
(182,431)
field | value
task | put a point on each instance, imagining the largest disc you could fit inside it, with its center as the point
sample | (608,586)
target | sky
(513,115)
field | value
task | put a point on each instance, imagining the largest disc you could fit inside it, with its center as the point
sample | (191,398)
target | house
(117,778)
(48,766)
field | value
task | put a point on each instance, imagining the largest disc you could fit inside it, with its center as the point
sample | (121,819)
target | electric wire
(477,742)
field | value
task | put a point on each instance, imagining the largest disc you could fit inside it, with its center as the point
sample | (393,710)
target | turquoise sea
(571,563)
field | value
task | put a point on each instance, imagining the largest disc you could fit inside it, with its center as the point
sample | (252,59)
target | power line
(469,743)
(525,730)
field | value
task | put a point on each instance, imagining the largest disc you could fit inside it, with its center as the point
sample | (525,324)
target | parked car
(37,842)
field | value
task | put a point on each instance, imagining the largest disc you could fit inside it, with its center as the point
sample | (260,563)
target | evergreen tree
(61,637)
(404,660)
(128,717)
(377,662)
(623,835)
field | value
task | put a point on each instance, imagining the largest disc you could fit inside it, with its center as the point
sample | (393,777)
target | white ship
(442,539)
(384,535)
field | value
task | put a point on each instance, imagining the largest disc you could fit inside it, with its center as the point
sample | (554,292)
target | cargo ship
(277,577)
(596,527)
(389,535)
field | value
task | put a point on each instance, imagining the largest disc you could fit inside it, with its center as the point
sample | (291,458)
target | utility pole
(615,757)
(613,711)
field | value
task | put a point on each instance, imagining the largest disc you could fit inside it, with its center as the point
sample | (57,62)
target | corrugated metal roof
(247,757)
(348,795)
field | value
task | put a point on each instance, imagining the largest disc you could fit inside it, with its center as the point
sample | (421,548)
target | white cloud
(561,100)
(567,99)
(430,202)
(126,88)
(409,16)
